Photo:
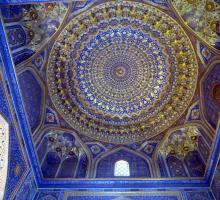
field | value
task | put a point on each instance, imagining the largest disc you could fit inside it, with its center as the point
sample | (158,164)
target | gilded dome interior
(123,74)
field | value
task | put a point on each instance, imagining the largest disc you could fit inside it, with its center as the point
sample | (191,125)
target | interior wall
(17,165)
(129,194)
(216,182)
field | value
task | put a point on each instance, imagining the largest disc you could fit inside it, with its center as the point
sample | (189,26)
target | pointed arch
(140,166)
(68,165)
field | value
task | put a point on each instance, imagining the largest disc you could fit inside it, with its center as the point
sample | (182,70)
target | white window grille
(122,168)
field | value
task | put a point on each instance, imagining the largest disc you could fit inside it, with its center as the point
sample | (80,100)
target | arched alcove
(4,141)
(68,167)
(82,166)
(62,156)
(139,167)
(176,167)
(32,95)
(195,164)
(210,87)
(51,165)
(185,152)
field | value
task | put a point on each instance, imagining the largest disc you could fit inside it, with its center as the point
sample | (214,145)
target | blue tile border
(12,84)
(9,76)
(214,158)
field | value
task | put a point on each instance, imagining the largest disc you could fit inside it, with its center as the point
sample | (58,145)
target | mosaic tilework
(142,194)
(16,36)
(17,166)
(40,60)
(38,66)
(50,165)
(12,14)
(203,148)
(153,197)
(149,148)
(32,97)
(51,117)
(41,150)
(30,26)
(211,97)
(48,195)
(185,152)
(216,183)
(162,167)
(194,112)
(138,166)
(204,53)
(3,101)
(68,168)
(176,167)
(181,141)
(22,55)
(82,167)
(158,2)
(28,189)
(197,15)
(203,195)
(125,82)
(61,156)
(195,164)
(123,196)
(96,149)
(80,5)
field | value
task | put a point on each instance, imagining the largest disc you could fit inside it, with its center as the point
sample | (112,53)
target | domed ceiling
(123,74)
(103,81)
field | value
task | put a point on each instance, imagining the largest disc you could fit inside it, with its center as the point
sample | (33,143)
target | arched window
(4,134)
(122,168)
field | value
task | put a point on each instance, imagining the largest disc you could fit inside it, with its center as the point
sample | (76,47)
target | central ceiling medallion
(122,72)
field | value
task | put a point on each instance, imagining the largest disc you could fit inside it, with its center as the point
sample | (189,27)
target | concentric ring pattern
(122,72)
